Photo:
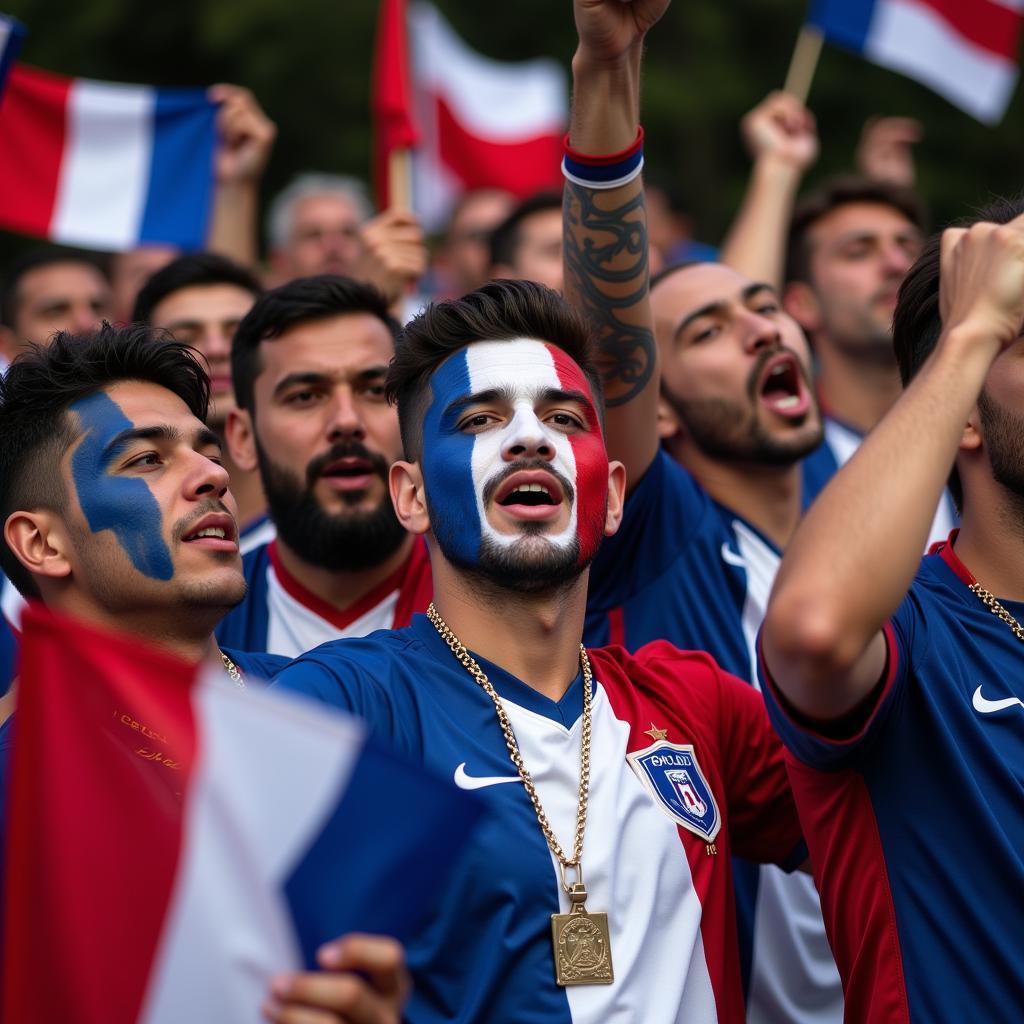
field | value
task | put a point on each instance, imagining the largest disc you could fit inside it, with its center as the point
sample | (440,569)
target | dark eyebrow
(204,437)
(456,406)
(373,373)
(717,307)
(309,377)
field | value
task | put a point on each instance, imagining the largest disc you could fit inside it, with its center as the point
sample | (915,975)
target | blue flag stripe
(845,22)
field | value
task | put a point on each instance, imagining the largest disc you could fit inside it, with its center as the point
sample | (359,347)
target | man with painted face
(712,411)
(308,363)
(116,510)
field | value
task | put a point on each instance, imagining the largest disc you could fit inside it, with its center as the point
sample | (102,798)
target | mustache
(492,485)
(183,525)
(346,450)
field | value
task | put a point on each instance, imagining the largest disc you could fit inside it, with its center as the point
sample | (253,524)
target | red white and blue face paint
(531,386)
(126,506)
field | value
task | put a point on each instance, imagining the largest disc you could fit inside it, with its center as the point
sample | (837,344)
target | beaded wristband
(602,172)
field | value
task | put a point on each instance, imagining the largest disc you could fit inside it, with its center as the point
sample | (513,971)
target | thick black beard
(347,542)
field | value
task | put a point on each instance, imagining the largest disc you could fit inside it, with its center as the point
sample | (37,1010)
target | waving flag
(176,841)
(102,165)
(481,123)
(12,36)
(966,52)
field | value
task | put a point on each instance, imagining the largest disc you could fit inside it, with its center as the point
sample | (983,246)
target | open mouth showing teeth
(529,494)
(782,387)
(209,531)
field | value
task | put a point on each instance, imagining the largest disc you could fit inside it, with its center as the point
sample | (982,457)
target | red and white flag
(965,51)
(480,123)
(173,842)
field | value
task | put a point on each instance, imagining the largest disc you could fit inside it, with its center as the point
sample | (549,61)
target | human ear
(800,303)
(240,437)
(39,542)
(616,497)
(405,482)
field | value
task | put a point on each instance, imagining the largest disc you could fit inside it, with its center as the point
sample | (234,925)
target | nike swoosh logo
(987,707)
(464,781)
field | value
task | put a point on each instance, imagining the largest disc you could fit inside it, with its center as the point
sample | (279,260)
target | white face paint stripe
(529,368)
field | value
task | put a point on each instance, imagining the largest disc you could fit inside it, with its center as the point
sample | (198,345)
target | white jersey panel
(630,840)
(293,629)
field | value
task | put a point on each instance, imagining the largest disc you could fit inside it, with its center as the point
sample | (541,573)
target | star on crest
(655,733)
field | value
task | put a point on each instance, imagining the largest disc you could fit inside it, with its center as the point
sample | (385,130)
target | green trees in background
(709,62)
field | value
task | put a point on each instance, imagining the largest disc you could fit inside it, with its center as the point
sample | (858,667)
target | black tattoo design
(606,273)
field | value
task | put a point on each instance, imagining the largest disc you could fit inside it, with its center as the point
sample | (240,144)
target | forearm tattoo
(607,278)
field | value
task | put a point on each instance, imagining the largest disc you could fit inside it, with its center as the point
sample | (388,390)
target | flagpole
(804,62)
(400,179)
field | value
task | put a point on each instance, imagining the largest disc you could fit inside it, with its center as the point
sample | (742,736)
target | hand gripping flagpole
(804,62)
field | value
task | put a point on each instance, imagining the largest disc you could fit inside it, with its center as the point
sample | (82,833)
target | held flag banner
(966,52)
(12,36)
(481,123)
(175,842)
(103,165)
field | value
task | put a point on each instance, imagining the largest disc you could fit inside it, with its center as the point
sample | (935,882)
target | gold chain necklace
(581,940)
(991,602)
(233,671)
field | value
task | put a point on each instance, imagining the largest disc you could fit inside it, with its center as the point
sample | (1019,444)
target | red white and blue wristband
(601,172)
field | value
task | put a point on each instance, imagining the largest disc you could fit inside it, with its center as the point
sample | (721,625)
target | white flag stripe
(1011,5)
(218,933)
(104,177)
(911,38)
(496,101)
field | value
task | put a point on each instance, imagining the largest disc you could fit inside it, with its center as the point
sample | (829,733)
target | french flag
(173,841)
(967,52)
(103,165)
(475,122)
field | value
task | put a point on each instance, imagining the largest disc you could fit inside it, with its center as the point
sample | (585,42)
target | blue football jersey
(916,822)
(684,568)
(684,769)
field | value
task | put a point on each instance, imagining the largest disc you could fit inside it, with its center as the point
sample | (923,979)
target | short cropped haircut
(916,323)
(281,214)
(41,256)
(303,300)
(507,236)
(39,388)
(831,196)
(499,311)
(194,270)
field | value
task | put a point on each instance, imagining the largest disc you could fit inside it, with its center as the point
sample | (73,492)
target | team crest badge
(671,774)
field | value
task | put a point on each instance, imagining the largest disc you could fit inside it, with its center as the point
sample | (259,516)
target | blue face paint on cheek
(121,504)
(448,467)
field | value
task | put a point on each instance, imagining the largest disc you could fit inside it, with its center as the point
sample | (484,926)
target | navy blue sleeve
(662,512)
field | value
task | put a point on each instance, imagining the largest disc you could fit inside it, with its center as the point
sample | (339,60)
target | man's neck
(340,588)
(856,392)
(991,545)
(766,496)
(536,639)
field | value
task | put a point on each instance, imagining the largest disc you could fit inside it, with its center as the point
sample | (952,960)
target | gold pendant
(583,951)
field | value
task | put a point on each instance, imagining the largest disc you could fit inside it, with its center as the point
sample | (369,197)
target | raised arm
(855,554)
(605,230)
(781,137)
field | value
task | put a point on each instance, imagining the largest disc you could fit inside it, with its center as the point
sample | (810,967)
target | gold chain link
(992,603)
(233,671)
(469,663)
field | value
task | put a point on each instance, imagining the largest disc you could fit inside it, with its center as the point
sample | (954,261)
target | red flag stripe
(522,168)
(98,821)
(32,130)
(988,25)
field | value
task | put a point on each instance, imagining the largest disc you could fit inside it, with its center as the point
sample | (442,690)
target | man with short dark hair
(631,776)
(528,243)
(116,510)
(309,362)
(51,289)
(896,683)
